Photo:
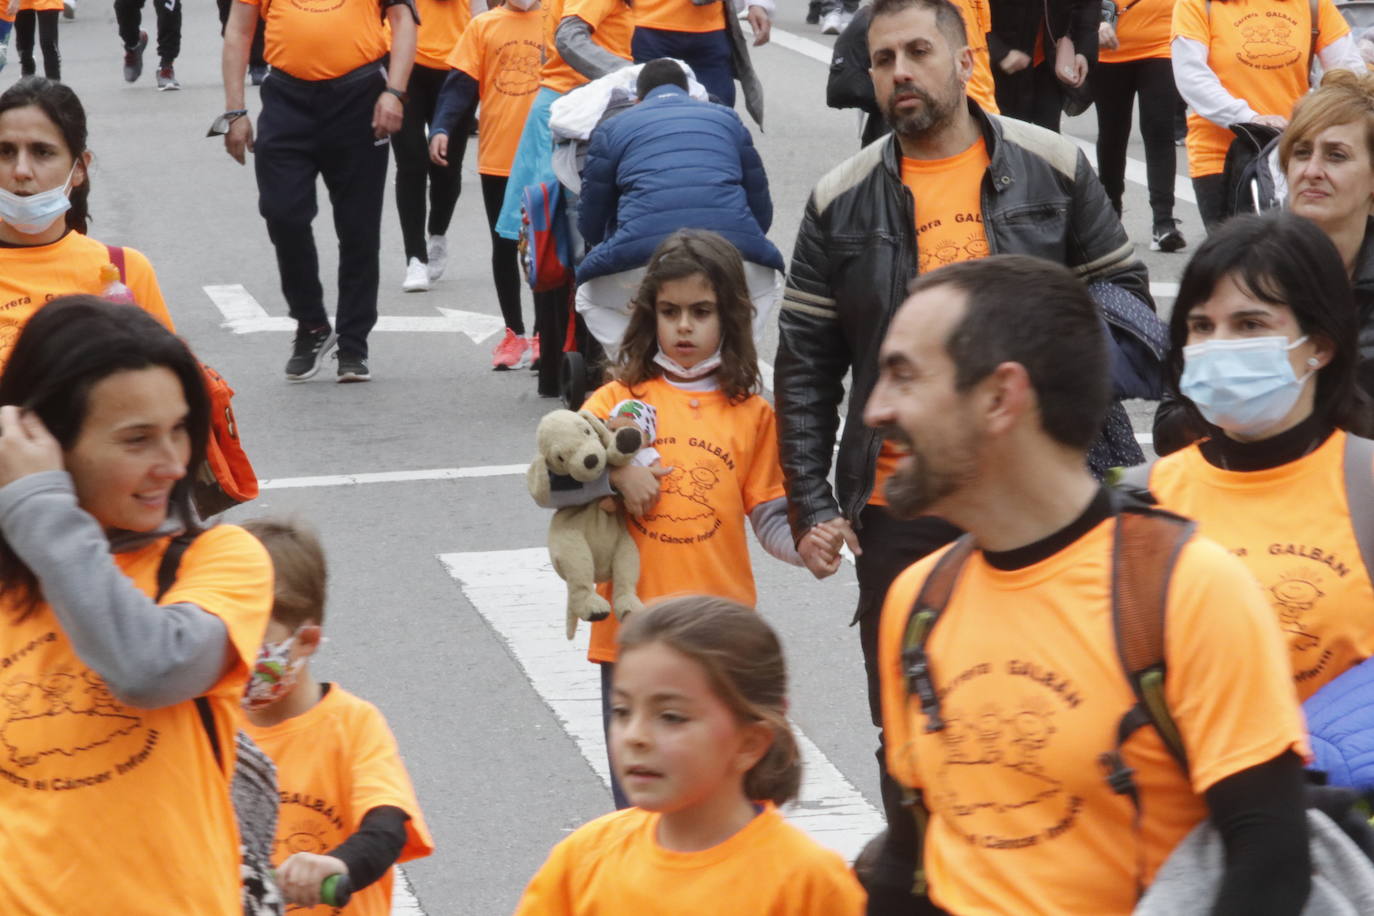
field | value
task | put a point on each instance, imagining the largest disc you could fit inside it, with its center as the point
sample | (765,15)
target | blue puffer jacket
(1340,718)
(671,163)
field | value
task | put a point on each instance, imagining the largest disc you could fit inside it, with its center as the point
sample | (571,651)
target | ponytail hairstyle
(687,253)
(743,662)
(63,108)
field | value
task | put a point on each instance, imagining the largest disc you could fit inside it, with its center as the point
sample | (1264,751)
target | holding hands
(820,547)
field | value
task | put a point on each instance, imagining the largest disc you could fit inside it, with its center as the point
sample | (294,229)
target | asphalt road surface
(442,610)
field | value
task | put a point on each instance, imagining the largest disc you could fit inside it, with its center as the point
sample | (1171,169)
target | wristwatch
(220,126)
(398,93)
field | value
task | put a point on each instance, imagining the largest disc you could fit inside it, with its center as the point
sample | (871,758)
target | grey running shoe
(352,367)
(167,79)
(308,350)
(133,58)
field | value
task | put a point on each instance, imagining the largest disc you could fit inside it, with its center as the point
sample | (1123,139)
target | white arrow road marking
(245,315)
(521,597)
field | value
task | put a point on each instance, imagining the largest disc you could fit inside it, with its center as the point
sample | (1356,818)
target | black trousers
(1033,94)
(255,55)
(890,545)
(45,23)
(1115,89)
(129,15)
(505,254)
(1210,191)
(323,128)
(414,169)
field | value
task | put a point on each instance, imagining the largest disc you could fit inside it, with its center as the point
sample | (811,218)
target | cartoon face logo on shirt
(1268,42)
(1293,596)
(65,727)
(685,497)
(317,6)
(517,68)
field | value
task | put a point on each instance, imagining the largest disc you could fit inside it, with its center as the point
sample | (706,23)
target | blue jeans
(707,53)
(607,674)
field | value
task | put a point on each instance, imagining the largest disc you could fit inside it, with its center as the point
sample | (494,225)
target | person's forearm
(769,521)
(1262,820)
(1201,88)
(149,656)
(403,40)
(374,847)
(457,97)
(238,40)
(575,45)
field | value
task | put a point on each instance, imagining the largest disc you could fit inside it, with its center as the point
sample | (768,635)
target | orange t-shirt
(1143,30)
(110,808)
(335,762)
(613,25)
(503,50)
(40,4)
(322,39)
(1291,526)
(1258,49)
(725,462)
(614,866)
(681,15)
(1032,690)
(949,228)
(31,277)
(442,23)
(977,23)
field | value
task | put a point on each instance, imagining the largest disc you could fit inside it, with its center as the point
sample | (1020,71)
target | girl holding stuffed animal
(701,740)
(688,356)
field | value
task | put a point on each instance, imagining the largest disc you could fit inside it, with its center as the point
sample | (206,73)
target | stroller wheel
(572,380)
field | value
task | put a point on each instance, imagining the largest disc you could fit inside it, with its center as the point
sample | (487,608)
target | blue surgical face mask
(1244,386)
(37,212)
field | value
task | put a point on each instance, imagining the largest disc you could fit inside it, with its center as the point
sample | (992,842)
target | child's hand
(638,486)
(820,547)
(301,875)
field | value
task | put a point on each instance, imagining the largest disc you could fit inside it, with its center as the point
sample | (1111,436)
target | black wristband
(398,93)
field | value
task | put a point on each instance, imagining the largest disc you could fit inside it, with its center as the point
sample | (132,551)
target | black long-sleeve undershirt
(374,847)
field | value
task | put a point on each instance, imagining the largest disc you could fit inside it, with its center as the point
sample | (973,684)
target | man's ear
(1008,396)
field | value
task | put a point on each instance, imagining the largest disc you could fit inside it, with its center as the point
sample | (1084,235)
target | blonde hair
(1344,97)
(743,661)
(299,571)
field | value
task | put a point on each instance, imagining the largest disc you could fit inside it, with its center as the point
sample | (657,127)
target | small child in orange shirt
(701,743)
(347,805)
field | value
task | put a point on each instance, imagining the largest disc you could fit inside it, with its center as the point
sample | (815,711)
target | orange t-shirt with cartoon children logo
(335,762)
(1291,526)
(30,277)
(503,50)
(949,228)
(1259,51)
(322,39)
(113,809)
(724,458)
(1032,690)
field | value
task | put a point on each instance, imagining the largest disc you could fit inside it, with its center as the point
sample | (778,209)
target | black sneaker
(1167,237)
(133,58)
(308,350)
(352,367)
(813,12)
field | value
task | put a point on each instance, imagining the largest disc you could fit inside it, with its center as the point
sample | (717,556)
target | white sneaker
(846,18)
(438,256)
(830,23)
(417,277)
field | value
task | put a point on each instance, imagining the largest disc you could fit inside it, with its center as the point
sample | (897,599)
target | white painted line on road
(521,597)
(1162,290)
(805,46)
(245,315)
(351,480)
(403,901)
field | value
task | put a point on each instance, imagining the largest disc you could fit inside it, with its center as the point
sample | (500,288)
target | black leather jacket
(855,255)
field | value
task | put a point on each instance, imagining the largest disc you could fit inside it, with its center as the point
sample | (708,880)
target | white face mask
(1243,386)
(37,212)
(700,370)
(521,5)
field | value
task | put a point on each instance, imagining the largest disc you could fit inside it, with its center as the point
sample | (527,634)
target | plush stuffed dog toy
(586,544)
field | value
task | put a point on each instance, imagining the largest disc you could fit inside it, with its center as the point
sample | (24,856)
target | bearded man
(951,183)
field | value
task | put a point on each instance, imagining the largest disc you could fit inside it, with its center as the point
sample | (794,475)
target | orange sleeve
(467,54)
(828,889)
(763,480)
(605,398)
(380,778)
(1190,21)
(143,284)
(226,572)
(1232,716)
(900,743)
(549,892)
(591,12)
(1331,25)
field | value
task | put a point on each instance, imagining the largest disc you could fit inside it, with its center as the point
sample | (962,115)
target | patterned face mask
(273,675)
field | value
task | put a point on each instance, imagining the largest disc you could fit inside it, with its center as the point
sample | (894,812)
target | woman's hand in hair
(26,446)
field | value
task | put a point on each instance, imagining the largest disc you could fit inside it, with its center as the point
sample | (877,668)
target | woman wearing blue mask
(1263,349)
(44,189)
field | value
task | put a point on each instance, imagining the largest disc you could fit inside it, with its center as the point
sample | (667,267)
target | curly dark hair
(686,253)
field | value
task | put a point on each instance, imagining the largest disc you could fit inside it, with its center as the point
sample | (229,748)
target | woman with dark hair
(45,188)
(120,673)
(1262,347)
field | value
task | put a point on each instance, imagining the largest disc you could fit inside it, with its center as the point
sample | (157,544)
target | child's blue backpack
(545,237)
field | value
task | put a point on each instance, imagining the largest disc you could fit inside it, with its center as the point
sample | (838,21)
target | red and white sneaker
(512,352)
(534,351)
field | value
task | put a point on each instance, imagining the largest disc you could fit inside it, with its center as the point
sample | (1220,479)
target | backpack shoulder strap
(117,259)
(166,577)
(930,603)
(1316,23)
(1359,494)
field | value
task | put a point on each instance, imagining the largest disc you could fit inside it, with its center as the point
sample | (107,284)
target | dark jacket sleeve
(1084,18)
(849,84)
(1104,253)
(1177,425)
(1262,819)
(597,206)
(808,378)
(457,99)
(755,180)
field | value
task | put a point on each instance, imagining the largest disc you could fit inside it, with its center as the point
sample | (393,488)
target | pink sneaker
(511,353)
